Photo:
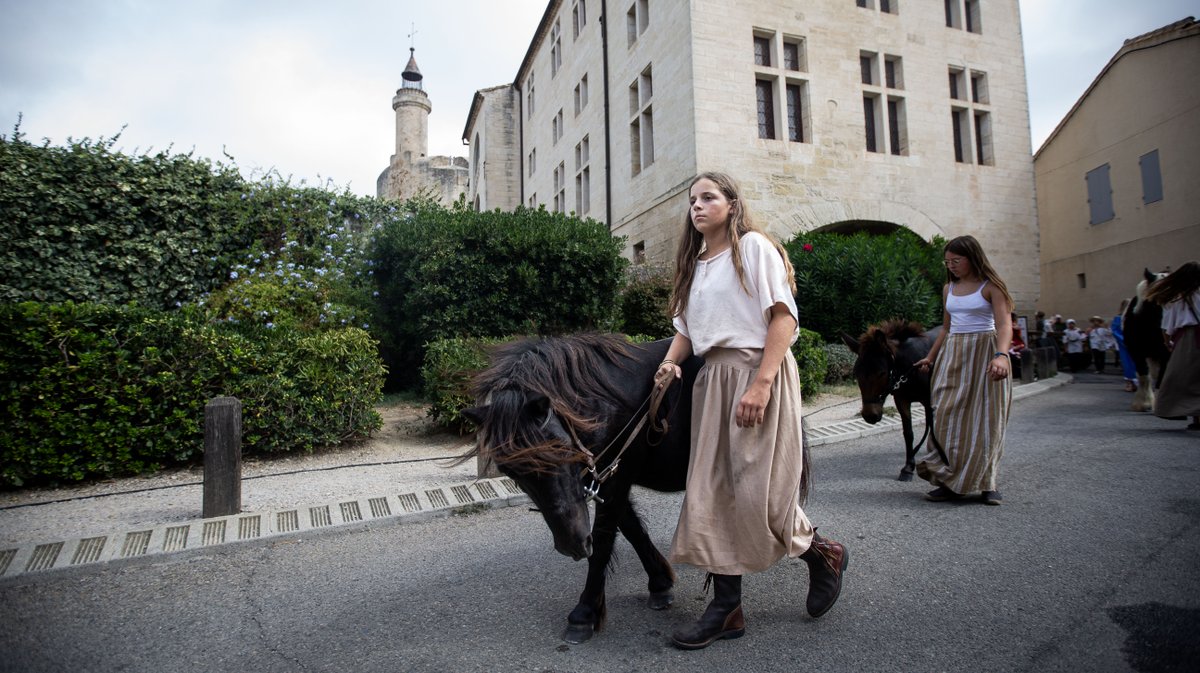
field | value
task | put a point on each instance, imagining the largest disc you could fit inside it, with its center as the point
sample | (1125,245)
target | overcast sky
(305,87)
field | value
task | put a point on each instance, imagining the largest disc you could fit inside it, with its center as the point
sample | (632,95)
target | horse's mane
(895,328)
(568,371)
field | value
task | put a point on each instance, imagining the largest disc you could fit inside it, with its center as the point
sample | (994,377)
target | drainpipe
(520,140)
(607,132)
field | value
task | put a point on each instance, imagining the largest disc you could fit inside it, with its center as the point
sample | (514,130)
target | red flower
(808,247)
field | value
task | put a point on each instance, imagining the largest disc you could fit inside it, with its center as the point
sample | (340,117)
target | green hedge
(644,301)
(450,364)
(810,360)
(455,273)
(98,391)
(845,283)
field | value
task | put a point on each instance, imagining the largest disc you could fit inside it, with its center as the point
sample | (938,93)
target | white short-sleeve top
(720,314)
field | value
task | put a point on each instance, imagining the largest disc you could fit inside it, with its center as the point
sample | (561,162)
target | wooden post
(222,457)
(1027,366)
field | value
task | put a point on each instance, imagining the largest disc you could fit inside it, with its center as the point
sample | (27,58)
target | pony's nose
(872,414)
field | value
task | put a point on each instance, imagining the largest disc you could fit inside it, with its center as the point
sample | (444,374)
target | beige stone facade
(411,171)
(614,124)
(1117,180)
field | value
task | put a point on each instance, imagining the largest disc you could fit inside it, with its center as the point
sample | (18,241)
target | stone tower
(411,171)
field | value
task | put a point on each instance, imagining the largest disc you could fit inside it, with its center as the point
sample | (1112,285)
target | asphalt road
(1090,565)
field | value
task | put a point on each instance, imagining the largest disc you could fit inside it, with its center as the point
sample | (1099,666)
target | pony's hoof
(904,476)
(578,633)
(661,600)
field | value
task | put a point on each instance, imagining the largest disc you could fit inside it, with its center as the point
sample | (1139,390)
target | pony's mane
(567,371)
(891,329)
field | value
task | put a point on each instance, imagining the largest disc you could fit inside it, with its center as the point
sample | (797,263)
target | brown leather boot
(826,561)
(722,619)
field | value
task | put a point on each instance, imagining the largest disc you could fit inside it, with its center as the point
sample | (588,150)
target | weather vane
(412,38)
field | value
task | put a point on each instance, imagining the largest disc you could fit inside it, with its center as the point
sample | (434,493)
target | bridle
(599,475)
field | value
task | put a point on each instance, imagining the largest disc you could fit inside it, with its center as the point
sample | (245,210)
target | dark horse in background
(555,415)
(886,355)
(1142,324)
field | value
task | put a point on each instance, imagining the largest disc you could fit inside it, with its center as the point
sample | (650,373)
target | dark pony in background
(1142,324)
(886,355)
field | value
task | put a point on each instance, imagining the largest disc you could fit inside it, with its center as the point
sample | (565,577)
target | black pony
(1142,325)
(886,354)
(565,418)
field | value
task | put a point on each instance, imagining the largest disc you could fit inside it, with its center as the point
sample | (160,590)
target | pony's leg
(904,406)
(591,611)
(660,574)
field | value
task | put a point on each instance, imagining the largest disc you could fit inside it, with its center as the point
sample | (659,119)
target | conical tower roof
(411,72)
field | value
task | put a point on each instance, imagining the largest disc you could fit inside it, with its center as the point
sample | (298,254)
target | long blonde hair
(968,247)
(691,241)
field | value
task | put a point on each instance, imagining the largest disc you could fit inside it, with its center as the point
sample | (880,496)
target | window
(971,121)
(636,20)
(641,127)
(897,127)
(780,93)
(532,160)
(556,126)
(795,112)
(762,51)
(885,6)
(1081,279)
(866,63)
(560,192)
(533,200)
(475,161)
(979,92)
(793,53)
(958,89)
(884,122)
(583,178)
(579,18)
(964,15)
(960,126)
(581,95)
(765,93)
(529,97)
(1152,189)
(983,138)
(639,252)
(1099,190)
(870,112)
(555,49)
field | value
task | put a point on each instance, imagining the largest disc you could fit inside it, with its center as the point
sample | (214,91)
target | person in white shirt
(1073,340)
(1178,394)
(1100,340)
(733,304)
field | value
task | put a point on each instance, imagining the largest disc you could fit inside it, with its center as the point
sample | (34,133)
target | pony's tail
(805,472)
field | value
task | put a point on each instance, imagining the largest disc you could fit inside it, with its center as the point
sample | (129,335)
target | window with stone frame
(555,49)
(641,126)
(578,18)
(970,116)
(780,86)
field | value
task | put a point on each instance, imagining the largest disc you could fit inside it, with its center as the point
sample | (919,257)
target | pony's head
(521,432)
(538,398)
(875,367)
(1148,279)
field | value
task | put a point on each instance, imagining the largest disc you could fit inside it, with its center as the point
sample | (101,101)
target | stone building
(834,115)
(411,171)
(1117,179)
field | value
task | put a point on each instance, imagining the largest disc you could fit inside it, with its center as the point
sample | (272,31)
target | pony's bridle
(599,476)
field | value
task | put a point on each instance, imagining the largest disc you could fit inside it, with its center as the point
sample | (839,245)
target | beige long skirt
(1179,392)
(969,418)
(741,512)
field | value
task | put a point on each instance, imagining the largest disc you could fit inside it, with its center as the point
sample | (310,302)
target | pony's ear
(475,414)
(850,342)
(537,405)
(1148,275)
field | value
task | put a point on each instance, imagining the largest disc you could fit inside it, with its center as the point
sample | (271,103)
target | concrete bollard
(222,457)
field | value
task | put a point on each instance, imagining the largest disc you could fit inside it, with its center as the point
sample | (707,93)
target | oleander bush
(845,283)
(99,391)
(839,363)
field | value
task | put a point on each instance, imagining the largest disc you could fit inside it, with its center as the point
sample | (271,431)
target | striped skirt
(969,418)
(741,512)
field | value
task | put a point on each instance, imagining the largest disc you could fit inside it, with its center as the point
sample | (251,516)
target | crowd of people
(1178,388)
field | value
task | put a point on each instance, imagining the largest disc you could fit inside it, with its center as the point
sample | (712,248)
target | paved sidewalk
(89,528)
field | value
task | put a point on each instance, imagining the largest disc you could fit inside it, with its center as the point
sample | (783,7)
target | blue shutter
(1099,195)
(1151,177)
